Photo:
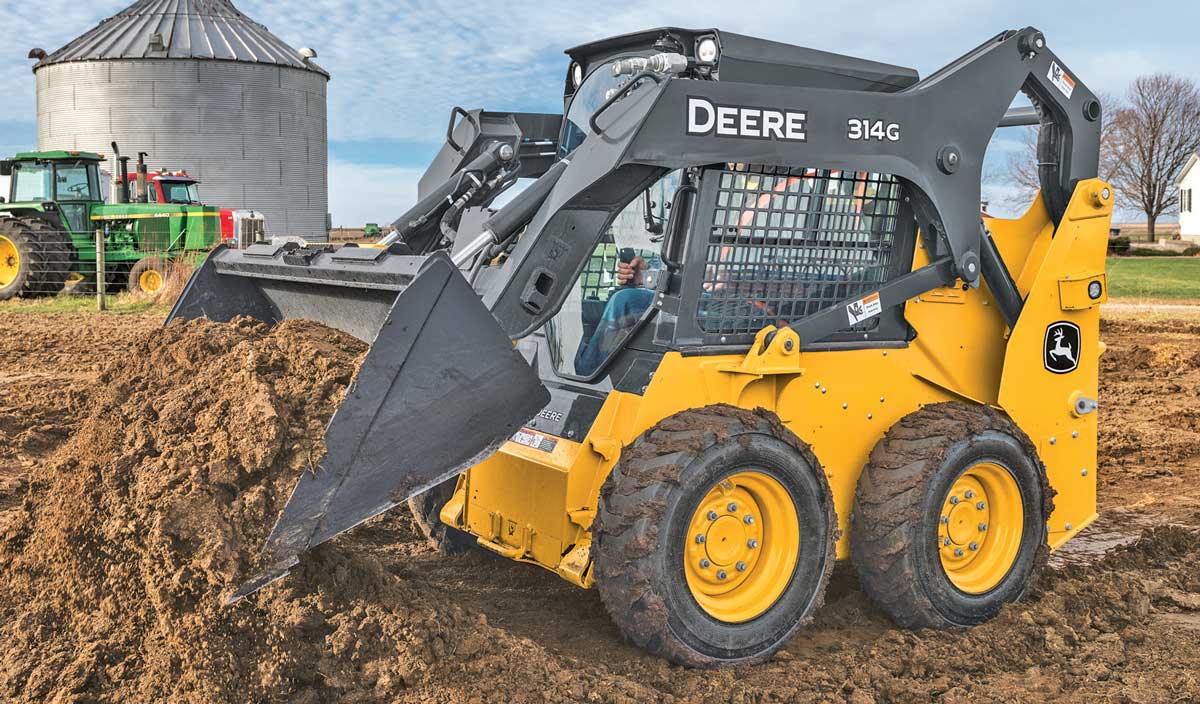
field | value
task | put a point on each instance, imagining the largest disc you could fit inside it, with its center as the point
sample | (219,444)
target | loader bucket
(440,389)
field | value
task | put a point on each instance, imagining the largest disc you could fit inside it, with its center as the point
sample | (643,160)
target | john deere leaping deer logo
(1062,347)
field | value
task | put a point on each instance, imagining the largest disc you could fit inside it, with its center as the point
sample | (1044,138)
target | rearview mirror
(6,168)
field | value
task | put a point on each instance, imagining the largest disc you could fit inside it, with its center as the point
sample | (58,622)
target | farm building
(1188,184)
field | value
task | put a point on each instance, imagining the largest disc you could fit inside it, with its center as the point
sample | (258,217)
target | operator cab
(601,314)
(62,179)
(175,187)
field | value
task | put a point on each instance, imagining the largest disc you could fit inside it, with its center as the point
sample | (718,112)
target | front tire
(150,275)
(426,511)
(950,517)
(714,538)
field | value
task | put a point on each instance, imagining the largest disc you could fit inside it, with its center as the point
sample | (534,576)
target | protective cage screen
(787,242)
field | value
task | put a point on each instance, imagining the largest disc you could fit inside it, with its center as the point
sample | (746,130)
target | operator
(622,312)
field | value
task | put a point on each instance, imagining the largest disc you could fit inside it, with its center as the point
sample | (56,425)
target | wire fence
(38,260)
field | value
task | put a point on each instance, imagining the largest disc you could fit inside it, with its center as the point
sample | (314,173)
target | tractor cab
(68,182)
(175,187)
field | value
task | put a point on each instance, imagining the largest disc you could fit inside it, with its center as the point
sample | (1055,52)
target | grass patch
(1158,278)
(120,304)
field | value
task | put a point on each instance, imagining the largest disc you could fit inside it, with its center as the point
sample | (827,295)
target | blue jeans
(623,310)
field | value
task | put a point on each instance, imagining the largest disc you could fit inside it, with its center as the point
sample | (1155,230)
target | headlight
(707,51)
(576,75)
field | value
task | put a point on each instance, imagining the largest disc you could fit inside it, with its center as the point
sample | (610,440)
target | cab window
(32,182)
(600,311)
(75,182)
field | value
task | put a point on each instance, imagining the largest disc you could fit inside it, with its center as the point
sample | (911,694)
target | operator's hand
(631,273)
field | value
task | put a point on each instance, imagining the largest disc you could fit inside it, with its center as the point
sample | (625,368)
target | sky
(399,66)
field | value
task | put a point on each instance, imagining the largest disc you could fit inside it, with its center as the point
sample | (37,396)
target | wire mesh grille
(784,243)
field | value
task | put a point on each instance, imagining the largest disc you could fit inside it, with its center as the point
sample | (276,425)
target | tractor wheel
(950,517)
(714,538)
(149,275)
(426,509)
(35,258)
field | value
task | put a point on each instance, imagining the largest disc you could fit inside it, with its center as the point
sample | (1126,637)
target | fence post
(100,275)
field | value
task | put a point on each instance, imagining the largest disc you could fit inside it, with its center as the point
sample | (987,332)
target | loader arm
(942,126)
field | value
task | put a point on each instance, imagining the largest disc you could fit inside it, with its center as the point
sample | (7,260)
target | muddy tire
(35,258)
(950,517)
(149,275)
(671,485)
(426,509)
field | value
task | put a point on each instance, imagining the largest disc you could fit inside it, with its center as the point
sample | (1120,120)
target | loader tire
(35,258)
(426,509)
(950,517)
(760,499)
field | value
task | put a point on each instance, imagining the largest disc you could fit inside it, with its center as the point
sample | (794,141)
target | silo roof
(188,29)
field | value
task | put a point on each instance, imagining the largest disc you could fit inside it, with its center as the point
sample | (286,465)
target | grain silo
(201,87)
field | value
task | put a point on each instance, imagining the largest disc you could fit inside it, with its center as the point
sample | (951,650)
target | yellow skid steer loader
(747,320)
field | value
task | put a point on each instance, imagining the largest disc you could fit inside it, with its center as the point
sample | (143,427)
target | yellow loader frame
(535,506)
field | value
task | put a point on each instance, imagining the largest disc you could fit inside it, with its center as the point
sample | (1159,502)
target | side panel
(1035,389)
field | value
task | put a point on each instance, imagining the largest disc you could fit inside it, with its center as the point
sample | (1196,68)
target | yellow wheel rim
(980,528)
(742,545)
(150,281)
(10,261)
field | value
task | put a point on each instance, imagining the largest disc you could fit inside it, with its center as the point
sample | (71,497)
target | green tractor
(48,228)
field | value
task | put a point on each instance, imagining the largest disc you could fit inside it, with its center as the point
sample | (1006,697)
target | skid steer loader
(746,320)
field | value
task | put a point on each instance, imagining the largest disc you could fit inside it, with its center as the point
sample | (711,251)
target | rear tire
(704,471)
(35,258)
(426,511)
(950,517)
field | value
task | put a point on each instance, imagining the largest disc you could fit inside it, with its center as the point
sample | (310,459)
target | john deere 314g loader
(746,321)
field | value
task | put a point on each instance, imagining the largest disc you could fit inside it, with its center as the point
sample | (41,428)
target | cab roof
(59,155)
(753,60)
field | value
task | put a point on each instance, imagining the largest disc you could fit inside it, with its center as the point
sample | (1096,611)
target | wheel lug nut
(732,508)
(704,564)
(700,538)
(953,499)
(970,493)
(974,546)
(958,552)
(721,574)
(741,567)
(752,543)
(945,520)
(749,520)
(712,515)
(979,505)
(982,526)
(946,542)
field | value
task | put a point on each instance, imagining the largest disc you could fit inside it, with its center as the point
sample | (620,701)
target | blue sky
(398,67)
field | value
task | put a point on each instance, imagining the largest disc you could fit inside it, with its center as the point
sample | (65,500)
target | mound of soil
(114,570)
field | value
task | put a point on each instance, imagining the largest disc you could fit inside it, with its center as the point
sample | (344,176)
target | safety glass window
(614,292)
(32,182)
(74,183)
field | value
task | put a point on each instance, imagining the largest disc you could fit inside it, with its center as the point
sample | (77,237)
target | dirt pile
(113,570)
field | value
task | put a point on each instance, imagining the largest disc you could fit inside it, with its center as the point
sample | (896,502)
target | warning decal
(537,441)
(864,308)
(1061,79)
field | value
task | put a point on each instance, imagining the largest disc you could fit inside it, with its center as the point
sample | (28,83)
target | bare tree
(1021,173)
(1154,135)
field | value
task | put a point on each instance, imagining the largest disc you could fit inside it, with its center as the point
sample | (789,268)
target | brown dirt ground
(140,468)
